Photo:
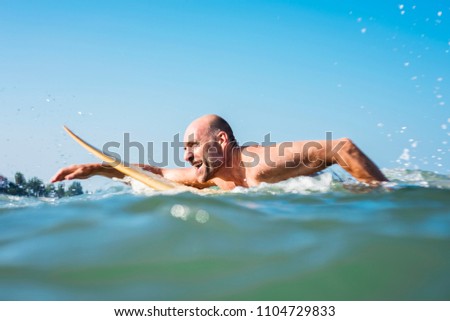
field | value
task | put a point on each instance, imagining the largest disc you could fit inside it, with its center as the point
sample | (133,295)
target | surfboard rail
(150,179)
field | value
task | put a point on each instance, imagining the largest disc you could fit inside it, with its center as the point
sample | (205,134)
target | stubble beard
(207,171)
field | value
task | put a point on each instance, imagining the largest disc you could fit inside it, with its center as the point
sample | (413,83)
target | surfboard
(149,179)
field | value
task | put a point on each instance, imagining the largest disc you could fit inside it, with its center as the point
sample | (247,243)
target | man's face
(203,152)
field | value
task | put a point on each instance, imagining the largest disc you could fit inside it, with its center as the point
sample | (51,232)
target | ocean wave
(274,241)
(407,177)
(335,180)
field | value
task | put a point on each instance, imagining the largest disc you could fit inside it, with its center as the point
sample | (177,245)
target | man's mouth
(197,164)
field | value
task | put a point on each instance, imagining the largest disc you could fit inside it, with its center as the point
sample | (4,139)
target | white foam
(297,185)
(404,175)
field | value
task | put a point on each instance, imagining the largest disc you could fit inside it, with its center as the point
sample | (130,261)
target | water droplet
(202,216)
(439,14)
(380,125)
(180,211)
(401,6)
(405,155)
(406,64)
(363,30)
(444,126)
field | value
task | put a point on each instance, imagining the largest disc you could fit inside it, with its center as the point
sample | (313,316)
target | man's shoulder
(248,150)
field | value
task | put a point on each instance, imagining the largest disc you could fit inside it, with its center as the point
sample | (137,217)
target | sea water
(309,238)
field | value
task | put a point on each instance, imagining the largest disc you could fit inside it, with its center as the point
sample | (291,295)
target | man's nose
(188,155)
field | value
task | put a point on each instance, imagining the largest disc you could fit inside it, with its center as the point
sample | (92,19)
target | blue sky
(376,72)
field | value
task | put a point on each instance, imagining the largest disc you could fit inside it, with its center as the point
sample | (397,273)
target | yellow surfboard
(149,179)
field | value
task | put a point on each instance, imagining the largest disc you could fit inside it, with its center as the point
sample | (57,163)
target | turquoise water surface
(304,239)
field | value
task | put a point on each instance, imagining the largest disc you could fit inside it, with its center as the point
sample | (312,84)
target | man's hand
(74,172)
(84,171)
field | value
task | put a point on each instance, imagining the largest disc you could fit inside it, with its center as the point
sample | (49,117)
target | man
(217,160)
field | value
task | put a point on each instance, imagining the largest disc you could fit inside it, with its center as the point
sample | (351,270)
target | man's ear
(222,138)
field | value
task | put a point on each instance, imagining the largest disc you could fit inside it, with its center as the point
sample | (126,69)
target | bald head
(211,124)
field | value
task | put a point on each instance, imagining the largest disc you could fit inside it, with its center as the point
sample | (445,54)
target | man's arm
(290,159)
(354,161)
(184,176)
(83,171)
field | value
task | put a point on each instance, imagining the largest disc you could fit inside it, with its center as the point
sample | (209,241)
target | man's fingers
(74,172)
(58,176)
(67,173)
